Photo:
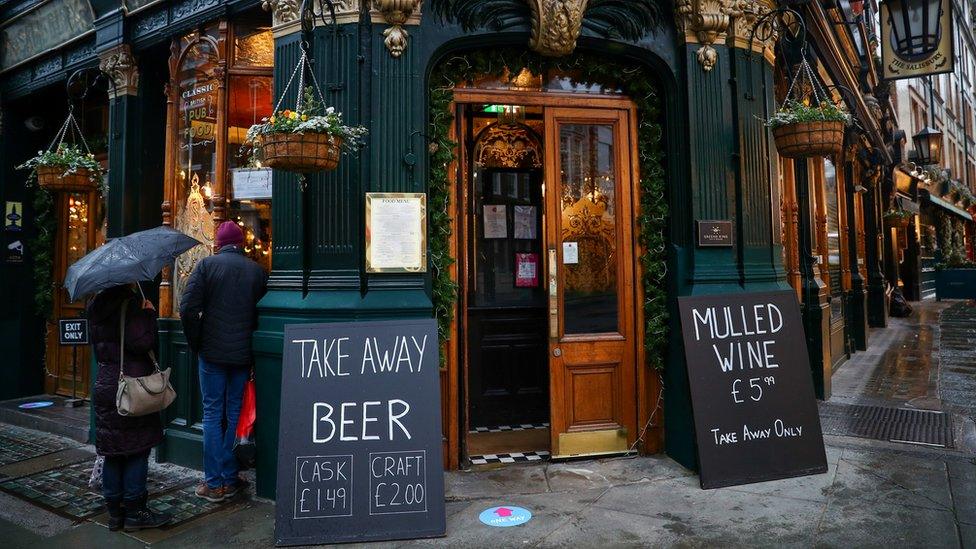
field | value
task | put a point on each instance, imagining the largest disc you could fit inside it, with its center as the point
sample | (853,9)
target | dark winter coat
(117,435)
(219,306)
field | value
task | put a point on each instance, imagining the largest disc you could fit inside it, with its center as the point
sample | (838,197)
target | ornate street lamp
(928,146)
(915,27)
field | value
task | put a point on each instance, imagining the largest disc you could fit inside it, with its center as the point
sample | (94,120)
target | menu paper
(395,232)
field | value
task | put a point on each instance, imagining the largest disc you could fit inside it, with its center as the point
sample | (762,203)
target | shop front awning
(948,206)
(908,204)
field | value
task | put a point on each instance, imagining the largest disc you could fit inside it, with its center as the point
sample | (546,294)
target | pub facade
(583,165)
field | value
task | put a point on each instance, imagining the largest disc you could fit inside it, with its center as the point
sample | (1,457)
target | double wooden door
(576,335)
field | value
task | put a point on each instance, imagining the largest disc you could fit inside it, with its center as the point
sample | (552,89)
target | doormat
(903,425)
(19,444)
(65,491)
(514,457)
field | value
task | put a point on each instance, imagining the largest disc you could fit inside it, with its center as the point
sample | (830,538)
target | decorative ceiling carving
(555,24)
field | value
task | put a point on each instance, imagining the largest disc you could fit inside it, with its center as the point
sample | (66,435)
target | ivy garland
(634,81)
(41,248)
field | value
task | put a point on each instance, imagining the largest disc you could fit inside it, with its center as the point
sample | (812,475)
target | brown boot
(213,495)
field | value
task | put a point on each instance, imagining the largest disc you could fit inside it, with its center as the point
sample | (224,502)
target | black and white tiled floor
(514,457)
(504,428)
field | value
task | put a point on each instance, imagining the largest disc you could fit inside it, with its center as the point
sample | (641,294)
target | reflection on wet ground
(957,382)
(901,364)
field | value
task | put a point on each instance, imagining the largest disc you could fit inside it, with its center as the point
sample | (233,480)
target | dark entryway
(508,378)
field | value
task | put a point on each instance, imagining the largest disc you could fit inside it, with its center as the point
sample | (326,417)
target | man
(219,312)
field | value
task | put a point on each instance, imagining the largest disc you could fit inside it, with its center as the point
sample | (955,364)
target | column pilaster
(124,140)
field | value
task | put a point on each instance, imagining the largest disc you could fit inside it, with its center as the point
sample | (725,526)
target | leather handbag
(141,396)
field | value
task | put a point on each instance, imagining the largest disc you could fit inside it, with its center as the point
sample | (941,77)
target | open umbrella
(133,258)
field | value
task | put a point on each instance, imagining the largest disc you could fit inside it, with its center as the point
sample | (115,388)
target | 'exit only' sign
(73,331)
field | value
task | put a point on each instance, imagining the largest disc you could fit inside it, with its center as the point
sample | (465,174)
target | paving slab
(576,475)
(879,481)
(721,516)
(884,525)
(88,536)
(494,481)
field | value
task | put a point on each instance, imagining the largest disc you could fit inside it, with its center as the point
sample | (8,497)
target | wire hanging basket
(62,177)
(309,138)
(802,130)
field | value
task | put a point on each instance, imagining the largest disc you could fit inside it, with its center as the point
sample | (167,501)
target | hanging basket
(897,222)
(805,139)
(301,152)
(54,178)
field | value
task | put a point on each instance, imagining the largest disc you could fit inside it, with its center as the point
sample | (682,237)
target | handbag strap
(125,307)
(152,355)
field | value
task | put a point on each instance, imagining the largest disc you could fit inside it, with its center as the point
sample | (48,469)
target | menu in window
(251,183)
(396,228)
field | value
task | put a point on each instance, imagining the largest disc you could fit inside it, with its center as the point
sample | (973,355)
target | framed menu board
(396,232)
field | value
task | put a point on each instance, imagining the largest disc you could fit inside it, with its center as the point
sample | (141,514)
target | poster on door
(526,270)
(13,219)
(752,396)
(496,221)
(525,225)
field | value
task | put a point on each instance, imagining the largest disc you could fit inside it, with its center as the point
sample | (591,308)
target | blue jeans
(124,477)
(222,388)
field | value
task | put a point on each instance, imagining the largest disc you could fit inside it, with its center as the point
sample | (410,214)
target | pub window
(221,84)
(833,239)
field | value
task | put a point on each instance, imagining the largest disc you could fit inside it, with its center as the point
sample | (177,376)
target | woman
(124,441)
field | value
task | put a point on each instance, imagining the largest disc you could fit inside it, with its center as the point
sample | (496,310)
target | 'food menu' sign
(359,447)
(751,388)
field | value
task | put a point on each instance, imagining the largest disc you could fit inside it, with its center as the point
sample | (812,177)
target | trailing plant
(70,159)
(41,249)
(635,82)
(309,117)
(796,112)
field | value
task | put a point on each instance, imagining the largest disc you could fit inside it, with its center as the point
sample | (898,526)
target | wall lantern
(915,27)
(928,146)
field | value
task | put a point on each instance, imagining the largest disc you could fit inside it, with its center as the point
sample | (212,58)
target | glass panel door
(590,278)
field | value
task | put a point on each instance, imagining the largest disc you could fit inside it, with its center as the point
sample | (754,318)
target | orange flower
(287,113)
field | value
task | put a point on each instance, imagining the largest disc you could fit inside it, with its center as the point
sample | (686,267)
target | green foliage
(41,249)
(70,159)
(638,83)
(898,214)
(795,112)
(309,117)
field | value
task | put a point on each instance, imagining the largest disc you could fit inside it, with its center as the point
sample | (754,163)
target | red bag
(244,447)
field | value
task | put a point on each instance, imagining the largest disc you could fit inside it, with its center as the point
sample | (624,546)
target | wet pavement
(874,494)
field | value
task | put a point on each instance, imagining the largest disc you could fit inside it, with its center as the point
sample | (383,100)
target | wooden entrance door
(590,278)
(78,234)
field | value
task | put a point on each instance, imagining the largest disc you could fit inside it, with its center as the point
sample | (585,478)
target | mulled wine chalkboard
(756,416)
(359,447)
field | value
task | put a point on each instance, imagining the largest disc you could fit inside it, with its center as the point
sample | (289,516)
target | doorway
(548,304)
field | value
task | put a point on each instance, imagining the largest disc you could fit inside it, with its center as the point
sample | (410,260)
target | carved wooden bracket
(119,64)
(556,25)
(396,13)
(704,22)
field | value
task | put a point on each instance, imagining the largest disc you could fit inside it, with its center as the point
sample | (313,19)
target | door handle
(553,296)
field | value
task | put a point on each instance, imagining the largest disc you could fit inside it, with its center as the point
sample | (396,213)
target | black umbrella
(133,258)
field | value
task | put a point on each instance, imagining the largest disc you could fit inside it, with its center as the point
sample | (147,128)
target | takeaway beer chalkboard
(359,447)
(751,388)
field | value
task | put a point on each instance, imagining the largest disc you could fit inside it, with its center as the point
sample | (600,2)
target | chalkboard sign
(359,448)
(73,331)
(752,395)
